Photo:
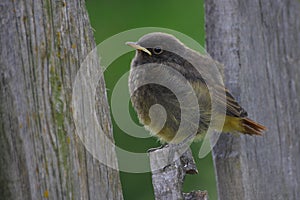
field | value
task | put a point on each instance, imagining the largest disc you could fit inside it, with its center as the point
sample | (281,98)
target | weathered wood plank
(259,44)
(42,44)
(168,181)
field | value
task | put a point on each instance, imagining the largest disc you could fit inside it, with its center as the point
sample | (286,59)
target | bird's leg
(179,148)
(165,145)
(170,152)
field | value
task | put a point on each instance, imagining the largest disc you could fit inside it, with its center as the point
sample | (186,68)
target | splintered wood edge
(167,181)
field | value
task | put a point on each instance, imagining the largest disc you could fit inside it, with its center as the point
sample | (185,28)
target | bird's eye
(157,50)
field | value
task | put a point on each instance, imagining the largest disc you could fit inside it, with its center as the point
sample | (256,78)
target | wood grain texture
(259,44)
(168,181)
(42,44)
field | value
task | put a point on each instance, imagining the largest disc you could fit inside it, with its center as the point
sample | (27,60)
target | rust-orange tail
(248,126)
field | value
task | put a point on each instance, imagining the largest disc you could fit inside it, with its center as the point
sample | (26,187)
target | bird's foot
(157,148)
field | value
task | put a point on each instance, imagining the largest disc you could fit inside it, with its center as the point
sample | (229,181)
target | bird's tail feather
(248,126)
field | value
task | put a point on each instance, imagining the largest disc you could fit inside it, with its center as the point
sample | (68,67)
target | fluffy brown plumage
(157,49)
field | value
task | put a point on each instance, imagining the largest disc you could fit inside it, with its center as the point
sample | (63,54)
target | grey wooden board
(41,46)
(259,44)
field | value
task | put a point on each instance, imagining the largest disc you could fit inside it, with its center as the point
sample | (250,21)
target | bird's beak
(138,47)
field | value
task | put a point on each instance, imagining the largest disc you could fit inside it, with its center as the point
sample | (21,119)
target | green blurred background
(112,17)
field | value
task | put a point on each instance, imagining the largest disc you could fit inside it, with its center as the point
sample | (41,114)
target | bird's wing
(212,75)
(221,97)
(232,106)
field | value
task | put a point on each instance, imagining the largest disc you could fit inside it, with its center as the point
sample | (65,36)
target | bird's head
(157,48)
